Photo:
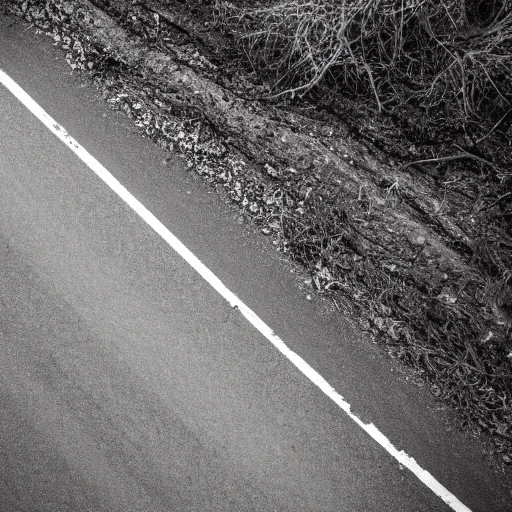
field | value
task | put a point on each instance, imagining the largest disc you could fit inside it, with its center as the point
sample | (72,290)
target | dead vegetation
(452,56)
(423,258)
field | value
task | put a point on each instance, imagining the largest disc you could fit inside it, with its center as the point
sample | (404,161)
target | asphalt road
(128,384)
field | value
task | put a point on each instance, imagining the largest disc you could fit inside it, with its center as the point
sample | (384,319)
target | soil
(417,247)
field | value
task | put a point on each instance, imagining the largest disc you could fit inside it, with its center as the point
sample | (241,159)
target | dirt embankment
(386,241)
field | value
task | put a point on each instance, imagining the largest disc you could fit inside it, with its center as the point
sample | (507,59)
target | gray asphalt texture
(128,384)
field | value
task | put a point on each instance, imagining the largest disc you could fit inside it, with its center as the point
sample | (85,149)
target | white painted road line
(233,300)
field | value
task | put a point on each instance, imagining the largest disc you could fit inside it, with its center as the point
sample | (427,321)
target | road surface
(127,383)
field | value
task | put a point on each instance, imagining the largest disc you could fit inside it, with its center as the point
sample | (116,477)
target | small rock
(271,171)
(417,240)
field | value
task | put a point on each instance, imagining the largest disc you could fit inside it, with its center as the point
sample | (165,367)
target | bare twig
(448,158)
(481,139)
(494,203)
